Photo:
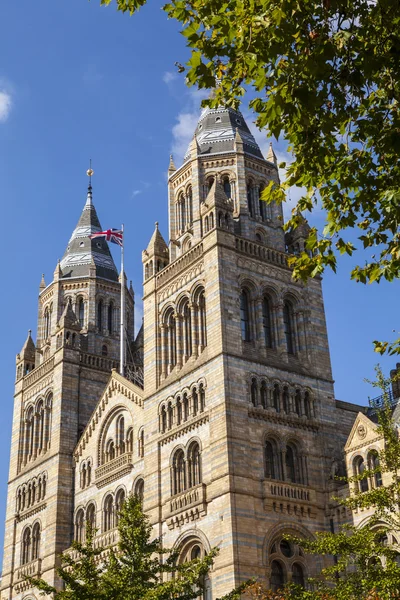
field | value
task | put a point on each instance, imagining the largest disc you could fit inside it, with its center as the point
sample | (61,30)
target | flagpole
(122,329)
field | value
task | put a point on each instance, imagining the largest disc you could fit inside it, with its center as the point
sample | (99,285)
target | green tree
(366,567)
(326,74)
(139,569)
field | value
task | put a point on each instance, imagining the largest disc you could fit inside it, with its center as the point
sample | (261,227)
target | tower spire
(89,173)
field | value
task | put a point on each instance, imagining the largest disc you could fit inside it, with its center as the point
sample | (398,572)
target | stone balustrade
(179,264)
(38,372)
(98,362)
(261,252)
(114,468)
(31,569)
(289,498)
(189,499)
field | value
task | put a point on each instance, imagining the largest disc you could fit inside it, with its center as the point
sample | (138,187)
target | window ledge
(289,498)
(114,469)
(31,569)
(185,507)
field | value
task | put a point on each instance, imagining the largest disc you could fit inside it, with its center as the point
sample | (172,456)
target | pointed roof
(216,197)
(28,349)
(69,318)
(363,432)
(81,250)
(271,156)
(157,245)
(216,131)
(171,166)
(42,283)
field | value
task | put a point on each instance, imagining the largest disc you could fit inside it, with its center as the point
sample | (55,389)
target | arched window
(291,464)
(187,330)
(267,322)
(277,576)
(185,407)
(203,320)
(254,392)
(129,440)
(47,322)
(298,574)
(227,187)
(202,395)
(178,411)
(264,394)
(250,200)
(91,515)
(374,465)
(211,223)
(89,472)
(297,402)
(195,403)
(288,319)
(110,450)
(276,397)
(81,312)
(110,314)
(245,315)
(163,419)
(170,414)
(100,315)
(206,226)
(139,489)
(80,526)
(26,546)
(359,470)
(194,466)
(286,400)
(179,474)
(271,460)
(36,541)
(120,434)
(104,350)
(307,405)
(83,477)
(171,340)
(119,501)
(40,427)
(261,204)
(108,513)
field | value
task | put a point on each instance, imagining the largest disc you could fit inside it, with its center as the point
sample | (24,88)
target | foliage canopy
(138,569)
(326,75)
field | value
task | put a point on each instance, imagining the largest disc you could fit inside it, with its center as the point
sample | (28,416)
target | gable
(363,433)
(118,388)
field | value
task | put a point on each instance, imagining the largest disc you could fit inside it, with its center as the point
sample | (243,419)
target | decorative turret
(42,285)
(296,238)
(156,255)
(26,358)
(82,250)
(68,328)
(217,209)
(171,166)
(271,156)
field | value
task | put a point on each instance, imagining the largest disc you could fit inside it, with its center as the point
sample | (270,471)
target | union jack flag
(115,236)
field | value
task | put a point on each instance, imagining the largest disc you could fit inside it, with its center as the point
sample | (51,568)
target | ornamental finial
(90,172)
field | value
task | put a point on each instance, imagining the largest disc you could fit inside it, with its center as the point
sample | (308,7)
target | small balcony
(185,507)
(31,569)
(119,466)
(289,498)
(106,540)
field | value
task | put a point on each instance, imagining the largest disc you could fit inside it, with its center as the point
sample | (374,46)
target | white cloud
(5,105)
(136,193)
(169,77)
(183,130)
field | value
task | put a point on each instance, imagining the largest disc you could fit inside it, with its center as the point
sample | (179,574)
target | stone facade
(234,433)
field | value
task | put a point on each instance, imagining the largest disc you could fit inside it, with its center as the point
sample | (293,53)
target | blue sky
(80,81)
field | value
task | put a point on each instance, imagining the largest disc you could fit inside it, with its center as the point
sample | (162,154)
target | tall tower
(239,403)
(58,382)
